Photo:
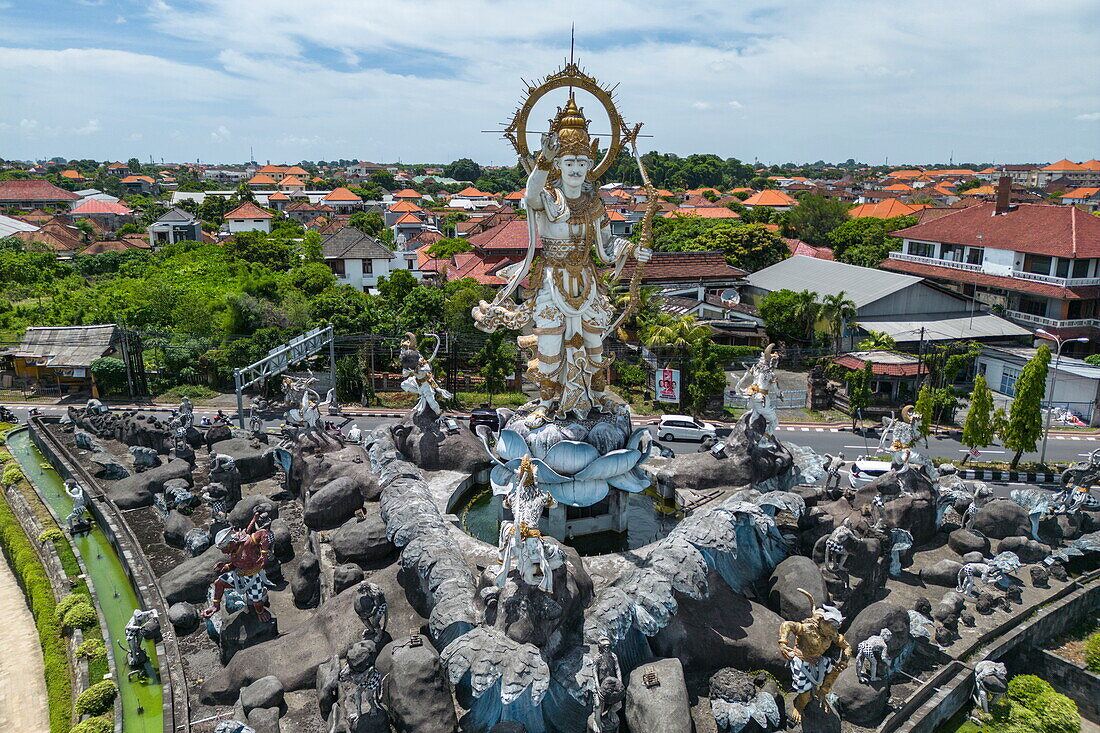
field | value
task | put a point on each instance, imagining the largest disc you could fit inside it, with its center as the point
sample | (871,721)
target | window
(368,267)
(920,249)
(1009,375)
(974,255)
(1034,306)
(1062,269)
(1037,264)
(951,252)
(337,267)
(1081,268)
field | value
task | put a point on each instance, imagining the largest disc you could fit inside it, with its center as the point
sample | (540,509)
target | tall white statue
(570,311)
(418,377)
(760,387)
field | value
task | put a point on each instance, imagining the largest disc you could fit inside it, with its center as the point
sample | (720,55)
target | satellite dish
(730,296)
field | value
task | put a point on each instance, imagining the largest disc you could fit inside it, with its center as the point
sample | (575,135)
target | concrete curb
(1023,477)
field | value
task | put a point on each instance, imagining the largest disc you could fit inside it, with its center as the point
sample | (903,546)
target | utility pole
(1053,382)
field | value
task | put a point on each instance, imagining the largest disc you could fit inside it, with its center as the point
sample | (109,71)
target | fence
(793,399)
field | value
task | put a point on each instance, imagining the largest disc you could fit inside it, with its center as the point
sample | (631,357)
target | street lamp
(1053,381)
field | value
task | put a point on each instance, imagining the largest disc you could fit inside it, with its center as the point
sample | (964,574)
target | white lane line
(805,430)
(967,450)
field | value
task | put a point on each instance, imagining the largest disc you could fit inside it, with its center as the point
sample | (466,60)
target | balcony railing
(1053,322)
(1062,282)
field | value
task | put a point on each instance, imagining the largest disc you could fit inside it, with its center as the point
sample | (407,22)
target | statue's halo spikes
(569,76)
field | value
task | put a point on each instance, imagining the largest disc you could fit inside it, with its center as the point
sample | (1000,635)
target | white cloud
(88,129)
(735,104)
(221,134)
(1088,117)
(700,105)
(28,125)
(119,20)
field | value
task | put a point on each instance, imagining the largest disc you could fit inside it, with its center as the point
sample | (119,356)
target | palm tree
(806,309)
(878,340)
(675,333)
(837,309)
(649,307)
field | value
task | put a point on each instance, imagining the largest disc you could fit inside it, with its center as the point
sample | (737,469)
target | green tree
(814,217)
(837,310)
(790,316)
(865,241)
(1024,426)
(707,375)
(877,340)
(978,430)
(674,333)
(496,360)
(926,408)
(630,377)
(109,374)
(368,222)
(462,169)
(859,391)
(446,248)
(751,247)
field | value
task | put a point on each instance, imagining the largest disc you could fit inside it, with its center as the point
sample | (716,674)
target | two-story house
(248,217)
(1038,264)
(175,225)
(358,259)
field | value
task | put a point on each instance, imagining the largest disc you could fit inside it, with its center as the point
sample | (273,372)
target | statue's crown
(572,130)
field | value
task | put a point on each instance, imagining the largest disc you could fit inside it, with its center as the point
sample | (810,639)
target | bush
(36,586)
(12,475)
(80,616)
(53,534)
(1092,652)
(97,699)
(1027,689)
(1033,706)
(191,392)
(94,725)
(68,602)
(92,650)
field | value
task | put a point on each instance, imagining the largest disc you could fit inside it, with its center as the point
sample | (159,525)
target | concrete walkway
(22,675)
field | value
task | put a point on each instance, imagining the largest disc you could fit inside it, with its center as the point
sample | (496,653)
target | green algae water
(141,699)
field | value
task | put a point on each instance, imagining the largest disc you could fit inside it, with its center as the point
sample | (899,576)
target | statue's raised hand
(643,254)
(550,145)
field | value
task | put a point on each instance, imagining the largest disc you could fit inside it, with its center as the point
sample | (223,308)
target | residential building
(1087,197)
(895,377)
(358,259)
(248,217)
(57,360)
(364,169)
(143,185)
(59,235)
(291,184)
(110,215)
(175,225)
(342,201)
(1075,174)
(686,274)
(1077,386)
(9,226)
(771,199)
(261,181)
(905,307)
(73,176)
(34,193)
(1038,264)
(118,169)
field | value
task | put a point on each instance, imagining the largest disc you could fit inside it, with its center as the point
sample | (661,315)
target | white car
(684,427)
(865,471)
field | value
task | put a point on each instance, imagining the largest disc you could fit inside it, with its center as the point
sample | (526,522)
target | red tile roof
(703,212)
(770,198)
(341,194)
(798,247)
(407,193)
(510,235)
(278,196)
(1063,231)
(261,180)
(687,266)
(100,207)
(995,281)
(886,209)
(853,361)
(32,190)
(249,210)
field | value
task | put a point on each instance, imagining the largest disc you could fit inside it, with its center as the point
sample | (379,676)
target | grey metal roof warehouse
(863,285)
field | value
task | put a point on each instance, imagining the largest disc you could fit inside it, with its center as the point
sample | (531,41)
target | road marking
(967,450)
(805,430)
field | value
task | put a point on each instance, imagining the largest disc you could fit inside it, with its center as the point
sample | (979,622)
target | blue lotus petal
(570,456)
(580,493)
(546,475)
(501,477)
(629,482)
(612,464)
(511,445)
(635,439)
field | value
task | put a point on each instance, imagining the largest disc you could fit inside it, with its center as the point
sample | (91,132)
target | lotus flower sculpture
(575,463)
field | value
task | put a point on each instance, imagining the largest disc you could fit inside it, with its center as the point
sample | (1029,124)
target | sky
(419,80)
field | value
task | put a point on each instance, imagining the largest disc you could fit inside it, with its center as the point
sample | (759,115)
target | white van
(684,427)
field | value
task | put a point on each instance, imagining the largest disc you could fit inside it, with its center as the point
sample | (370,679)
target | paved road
(821,439)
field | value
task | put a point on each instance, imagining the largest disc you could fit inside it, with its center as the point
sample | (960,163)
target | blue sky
(417,80)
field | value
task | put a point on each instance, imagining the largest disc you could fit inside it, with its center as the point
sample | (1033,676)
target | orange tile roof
(407,193)
(898,187)
(515,196)
(74,175)
(770,198)
(272,169)
(981,191)
(296,171)
(292,181)
(135,179)
(249,210)
(471,191)
(701,191)
(1064,165)
(316,179)
(409,218)
(613,215)
(1091,165)
(278,196)
(885,209)
(703,212)
(907,174)
(261,180)
(404,206)
(1083,192)
(341,194)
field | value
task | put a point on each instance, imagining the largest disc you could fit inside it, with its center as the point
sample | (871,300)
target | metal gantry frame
(279,359)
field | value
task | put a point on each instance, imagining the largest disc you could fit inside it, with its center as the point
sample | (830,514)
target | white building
(359,260)
(248,217)
(1077,386)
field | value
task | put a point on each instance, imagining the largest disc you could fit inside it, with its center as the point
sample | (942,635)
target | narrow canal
(141,699)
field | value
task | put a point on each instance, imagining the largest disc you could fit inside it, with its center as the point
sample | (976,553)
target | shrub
(190,391)
(1092,652)
(12,475)
(1027,689)
(24,562)
(80,616)
(1034,706)
(97,699)
(53,534)
(68,602)
(94,725)
(4,458)
(92,650)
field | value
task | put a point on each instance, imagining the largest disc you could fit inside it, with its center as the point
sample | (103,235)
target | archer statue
(570,310)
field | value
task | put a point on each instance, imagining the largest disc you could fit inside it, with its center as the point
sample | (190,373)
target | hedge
(80,616)
(1092,652)
(92,649)
(1033,706)
(32,577)
(94,725)
(12,475)
(97,699)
